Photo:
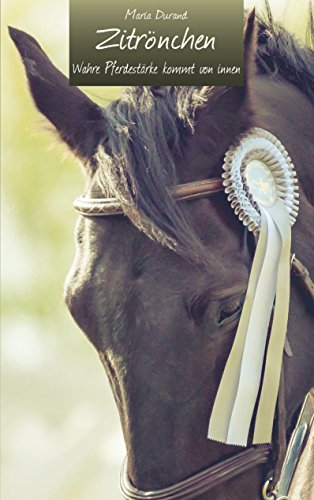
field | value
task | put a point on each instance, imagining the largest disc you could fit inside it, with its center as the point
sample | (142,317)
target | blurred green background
(61,436)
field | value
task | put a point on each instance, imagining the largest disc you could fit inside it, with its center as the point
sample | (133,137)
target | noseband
(201,482)
(244,461)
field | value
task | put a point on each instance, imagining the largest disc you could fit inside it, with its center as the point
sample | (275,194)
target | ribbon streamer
(268,398)
(237,394)
(261,185)
(221,412)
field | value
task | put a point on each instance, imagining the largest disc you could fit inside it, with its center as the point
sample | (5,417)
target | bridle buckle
(271,494)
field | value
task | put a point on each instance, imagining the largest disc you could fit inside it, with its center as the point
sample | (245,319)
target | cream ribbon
(268,398)
(239,387)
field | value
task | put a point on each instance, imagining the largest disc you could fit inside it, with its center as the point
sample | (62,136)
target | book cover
(138,113)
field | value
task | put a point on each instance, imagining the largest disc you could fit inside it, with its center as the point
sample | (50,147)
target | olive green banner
(161,42)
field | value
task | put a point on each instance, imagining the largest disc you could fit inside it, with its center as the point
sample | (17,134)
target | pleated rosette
(261,185)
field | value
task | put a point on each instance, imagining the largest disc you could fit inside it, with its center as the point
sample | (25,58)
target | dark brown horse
(159,292)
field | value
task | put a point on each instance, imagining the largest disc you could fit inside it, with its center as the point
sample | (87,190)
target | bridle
(253,456)
(101,207)
(201,482)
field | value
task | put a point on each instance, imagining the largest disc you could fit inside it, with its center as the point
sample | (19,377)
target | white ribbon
(268,398)
(239,387)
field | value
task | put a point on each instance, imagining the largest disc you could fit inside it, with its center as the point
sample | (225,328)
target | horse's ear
(226,111)
(79,121)
(250,47)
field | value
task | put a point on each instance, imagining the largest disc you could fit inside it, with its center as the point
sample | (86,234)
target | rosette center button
(260,182)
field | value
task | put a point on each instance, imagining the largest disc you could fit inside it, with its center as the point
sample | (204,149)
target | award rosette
(261,185)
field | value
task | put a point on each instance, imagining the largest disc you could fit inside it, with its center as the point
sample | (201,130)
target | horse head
(159,292)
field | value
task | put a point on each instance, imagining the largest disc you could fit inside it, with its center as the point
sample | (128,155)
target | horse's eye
(230,310)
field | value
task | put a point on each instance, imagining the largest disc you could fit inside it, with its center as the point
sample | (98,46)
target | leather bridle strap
(101,207)
(201,482)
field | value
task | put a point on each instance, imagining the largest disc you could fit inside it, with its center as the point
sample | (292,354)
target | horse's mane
(280,53)
(147,124)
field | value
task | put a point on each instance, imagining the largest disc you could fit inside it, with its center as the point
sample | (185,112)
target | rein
(229,468)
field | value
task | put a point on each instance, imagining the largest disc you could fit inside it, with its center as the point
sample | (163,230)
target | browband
(101,207)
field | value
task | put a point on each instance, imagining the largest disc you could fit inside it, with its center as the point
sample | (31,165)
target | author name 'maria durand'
(157,15)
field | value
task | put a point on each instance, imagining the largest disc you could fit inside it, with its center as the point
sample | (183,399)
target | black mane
(280,53)
(147,124)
